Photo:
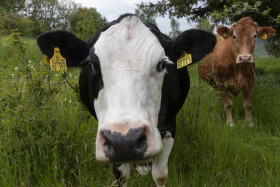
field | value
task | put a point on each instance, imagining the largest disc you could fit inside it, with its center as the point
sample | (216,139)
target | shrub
(14,21)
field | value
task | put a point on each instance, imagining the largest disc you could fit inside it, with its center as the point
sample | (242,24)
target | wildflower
(29,61)
(16,68)
(13,74)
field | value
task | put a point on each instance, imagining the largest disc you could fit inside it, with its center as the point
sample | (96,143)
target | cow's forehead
(128,44)
(245,26)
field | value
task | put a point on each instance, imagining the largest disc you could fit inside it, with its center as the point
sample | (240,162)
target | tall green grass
(47,138)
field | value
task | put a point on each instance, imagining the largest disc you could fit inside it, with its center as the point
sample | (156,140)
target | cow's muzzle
(245,59)
(130,146)
(124,143)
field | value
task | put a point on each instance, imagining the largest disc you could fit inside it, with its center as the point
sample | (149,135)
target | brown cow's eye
(234,37)
(255,36)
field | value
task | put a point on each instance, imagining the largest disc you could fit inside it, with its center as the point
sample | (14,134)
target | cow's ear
(72,48)
(198,43)
(225,32)
(265,32)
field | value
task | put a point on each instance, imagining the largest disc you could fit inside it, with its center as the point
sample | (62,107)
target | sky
(112,9)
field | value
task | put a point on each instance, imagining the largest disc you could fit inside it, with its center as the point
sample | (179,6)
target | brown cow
(231,65)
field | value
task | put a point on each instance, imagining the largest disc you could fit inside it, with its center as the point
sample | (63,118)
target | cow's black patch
(90,84)
(117,172)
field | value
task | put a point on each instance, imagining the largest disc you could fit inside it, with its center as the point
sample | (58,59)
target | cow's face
(123,68)
(243,34)
(132,63)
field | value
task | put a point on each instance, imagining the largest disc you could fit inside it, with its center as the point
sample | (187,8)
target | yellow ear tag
(225,34)
(264,36)
(58,63)
(185,60)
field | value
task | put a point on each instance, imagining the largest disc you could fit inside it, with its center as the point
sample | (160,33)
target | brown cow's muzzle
(245,59)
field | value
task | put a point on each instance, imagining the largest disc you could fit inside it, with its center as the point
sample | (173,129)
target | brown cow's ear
(224,32)
(265,32)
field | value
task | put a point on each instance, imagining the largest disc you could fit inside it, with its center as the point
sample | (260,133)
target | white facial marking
(129,53)
(125,169)
(160,163)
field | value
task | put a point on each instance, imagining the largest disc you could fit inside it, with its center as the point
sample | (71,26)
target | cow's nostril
(141,144)
(107,137)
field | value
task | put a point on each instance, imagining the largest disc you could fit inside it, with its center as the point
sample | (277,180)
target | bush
(1,20)
(14,21)
(86,22)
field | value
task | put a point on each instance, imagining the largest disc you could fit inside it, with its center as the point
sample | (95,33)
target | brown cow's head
(243,34)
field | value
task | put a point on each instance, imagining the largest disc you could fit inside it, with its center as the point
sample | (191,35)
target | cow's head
(243,34)
(123,68)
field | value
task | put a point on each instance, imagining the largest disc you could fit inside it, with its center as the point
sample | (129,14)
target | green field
(48,137)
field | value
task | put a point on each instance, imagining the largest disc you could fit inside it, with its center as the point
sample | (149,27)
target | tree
(86,22)
(12,5)
(175,28)
(54,14)
(13,21)
(205,24)
(146,14)
(266,14)
(193,9)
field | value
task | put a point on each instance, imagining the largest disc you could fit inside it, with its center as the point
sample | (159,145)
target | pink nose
(245,58)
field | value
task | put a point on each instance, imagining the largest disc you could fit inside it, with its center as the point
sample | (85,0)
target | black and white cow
(130,83)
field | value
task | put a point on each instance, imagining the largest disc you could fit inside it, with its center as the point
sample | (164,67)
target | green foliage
(172,8)
(238,8)
(38,16)
(86,22)
(205,24)
(12,5)
(265,13)
(146,14)
(54,14)
(2,11)
(32,129)
(47,137)
(14,21)
(175,30)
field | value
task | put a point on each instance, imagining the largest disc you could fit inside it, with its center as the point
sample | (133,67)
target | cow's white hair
(129,53)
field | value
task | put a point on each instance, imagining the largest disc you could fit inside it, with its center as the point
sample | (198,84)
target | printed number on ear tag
(185,60)
(57,62)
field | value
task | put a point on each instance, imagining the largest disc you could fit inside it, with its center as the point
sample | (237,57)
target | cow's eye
(161,65)
(234,37)
(255,36)
(90,66)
